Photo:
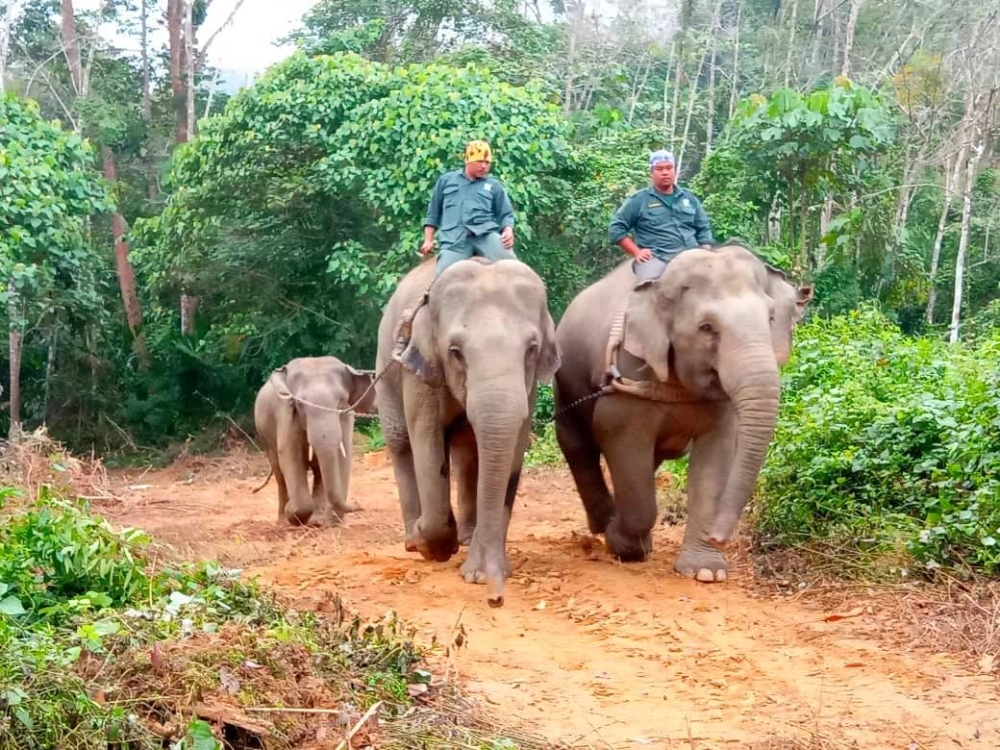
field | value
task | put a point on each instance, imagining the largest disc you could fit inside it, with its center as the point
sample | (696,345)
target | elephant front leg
(435,533)
(630,460)
(711,459)
(293,462)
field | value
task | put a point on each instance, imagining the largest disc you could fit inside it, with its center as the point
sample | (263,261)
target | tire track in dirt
(587,650)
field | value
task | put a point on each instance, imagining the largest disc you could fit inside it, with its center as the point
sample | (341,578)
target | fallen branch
(356,728)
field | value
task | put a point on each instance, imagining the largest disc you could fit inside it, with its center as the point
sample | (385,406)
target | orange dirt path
(586,650)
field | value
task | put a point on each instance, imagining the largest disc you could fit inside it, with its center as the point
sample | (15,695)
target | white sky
(246,46)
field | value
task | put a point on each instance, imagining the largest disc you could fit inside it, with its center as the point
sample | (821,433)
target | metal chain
(289,396)
(604,390)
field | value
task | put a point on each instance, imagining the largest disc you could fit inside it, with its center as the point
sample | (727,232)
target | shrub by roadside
(887,443)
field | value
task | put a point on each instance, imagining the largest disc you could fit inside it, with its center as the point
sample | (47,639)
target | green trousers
(489,246)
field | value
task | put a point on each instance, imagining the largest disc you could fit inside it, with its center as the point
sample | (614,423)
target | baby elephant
(296,410)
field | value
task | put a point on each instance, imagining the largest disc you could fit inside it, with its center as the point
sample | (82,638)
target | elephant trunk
(497,412)
(326,438)
(750,379)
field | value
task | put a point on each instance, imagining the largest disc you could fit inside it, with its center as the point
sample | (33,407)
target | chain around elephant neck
(289,396)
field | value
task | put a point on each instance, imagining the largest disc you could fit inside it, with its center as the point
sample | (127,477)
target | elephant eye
(455,352)
(532,347)
(706,328)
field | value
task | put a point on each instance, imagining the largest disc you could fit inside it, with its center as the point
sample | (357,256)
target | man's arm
(433,219)
(702,225)
(621,224)
(435,206)
(503,211)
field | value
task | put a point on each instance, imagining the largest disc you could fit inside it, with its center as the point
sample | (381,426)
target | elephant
(298,425)
(690,366)
(471,350)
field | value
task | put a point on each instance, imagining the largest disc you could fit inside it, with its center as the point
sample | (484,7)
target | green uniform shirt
(460,206)
(663,223)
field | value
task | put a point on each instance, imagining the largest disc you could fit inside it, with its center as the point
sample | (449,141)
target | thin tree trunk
(734,91)
(791,41)
(175,22)
(710,124)
(189,68)
(852,24)
(10,15)
(126,276)
(14,341)
(824,226)
(951,180)
(963,243)
(639,89)
(71,46)
(50,371)
(147,102)
(572,27)
(666,83)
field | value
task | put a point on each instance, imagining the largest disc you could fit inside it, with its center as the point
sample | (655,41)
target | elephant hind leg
(584,459)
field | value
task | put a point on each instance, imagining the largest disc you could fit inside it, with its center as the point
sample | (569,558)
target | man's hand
(507,237)
(427,247)
(642,254)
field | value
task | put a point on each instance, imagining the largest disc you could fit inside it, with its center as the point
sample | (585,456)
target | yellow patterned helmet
(478,151)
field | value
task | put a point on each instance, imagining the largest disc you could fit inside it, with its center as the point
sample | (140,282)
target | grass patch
(101,647)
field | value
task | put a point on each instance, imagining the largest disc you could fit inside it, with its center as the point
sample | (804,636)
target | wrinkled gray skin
(719,323)
(287,428)
(464,394)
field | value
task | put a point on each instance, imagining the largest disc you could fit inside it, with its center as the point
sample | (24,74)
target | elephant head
(485,339)
(719,322)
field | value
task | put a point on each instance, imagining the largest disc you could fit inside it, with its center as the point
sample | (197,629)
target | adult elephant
(298,408)
(698,352)
(472,350)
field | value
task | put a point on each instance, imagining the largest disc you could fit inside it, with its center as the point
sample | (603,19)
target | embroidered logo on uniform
(488,187)
(686,203)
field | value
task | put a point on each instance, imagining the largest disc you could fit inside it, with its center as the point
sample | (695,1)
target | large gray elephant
(470,357)
(296,409)
(698,352)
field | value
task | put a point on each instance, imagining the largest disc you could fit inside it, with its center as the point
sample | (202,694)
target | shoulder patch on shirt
(654,204)
(686,203)
(488,187)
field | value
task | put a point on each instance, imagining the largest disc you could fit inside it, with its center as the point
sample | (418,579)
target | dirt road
(586,650)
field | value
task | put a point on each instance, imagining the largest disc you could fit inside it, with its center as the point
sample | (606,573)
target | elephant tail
(270,474)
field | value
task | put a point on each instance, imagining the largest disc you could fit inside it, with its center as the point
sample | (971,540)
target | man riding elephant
(470,211)
(665,218)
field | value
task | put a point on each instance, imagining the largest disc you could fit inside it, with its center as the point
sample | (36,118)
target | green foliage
(47,189)
(888,438)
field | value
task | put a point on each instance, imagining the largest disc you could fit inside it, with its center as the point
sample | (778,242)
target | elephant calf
(296,410)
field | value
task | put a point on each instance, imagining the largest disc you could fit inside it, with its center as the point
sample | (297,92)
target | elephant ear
(279,381)
(419,356)
(803,296)
(646,330)
(549,356)
(360,392)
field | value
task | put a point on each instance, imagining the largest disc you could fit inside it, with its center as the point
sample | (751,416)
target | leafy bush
(889,441)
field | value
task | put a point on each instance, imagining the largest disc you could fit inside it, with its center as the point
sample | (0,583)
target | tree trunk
(852,24)
(50,371)
(71,46)
(734,91)
(951,180)
(189,69)
(666,83)
(14,339)
(175,23)
(824,226)
(12,9)
(147,103)
(791,41)
(189,306)
(963,243)
(126,276)
(710,124)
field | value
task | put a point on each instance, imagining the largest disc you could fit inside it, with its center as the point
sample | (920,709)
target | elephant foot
(348,508)
(300,517)
(438,545)
(627,547)
(465,532)
(480,567)
(705,565)
(598,522)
